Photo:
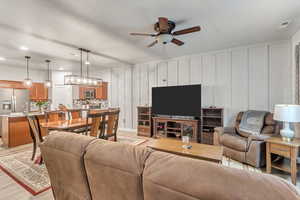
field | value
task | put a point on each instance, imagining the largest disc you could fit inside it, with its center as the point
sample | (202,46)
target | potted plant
(41,105)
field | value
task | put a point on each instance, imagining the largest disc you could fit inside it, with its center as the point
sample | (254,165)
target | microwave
(90,94)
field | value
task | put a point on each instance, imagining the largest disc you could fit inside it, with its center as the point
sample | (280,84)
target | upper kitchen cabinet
(38,92)
(101,91)
(94,93)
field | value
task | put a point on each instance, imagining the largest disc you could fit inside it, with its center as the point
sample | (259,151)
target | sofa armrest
(219,131)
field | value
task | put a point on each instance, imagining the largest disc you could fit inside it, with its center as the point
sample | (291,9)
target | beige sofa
(85,168)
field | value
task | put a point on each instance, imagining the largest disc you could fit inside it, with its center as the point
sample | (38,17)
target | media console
(175,127)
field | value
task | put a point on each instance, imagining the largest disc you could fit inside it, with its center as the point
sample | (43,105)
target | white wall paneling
(258,78)
(162,74)
(184,71)
(152,79)
(172,73)
(208,79)
(279,81)
(222,86)
(144,85)
(196,69)
(238,79)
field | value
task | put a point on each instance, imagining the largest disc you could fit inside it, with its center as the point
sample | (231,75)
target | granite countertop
(37,113)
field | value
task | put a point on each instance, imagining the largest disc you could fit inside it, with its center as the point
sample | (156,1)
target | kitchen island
(15,129)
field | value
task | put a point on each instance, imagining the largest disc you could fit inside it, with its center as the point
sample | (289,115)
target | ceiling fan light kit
(81,80)
(164,35)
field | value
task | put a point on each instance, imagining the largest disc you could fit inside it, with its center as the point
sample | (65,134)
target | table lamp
(287,114)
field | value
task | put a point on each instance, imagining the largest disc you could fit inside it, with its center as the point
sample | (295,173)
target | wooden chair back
(98,123)
(111,125)
(35,132)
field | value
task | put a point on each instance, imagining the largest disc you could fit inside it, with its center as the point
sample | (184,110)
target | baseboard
(128,130)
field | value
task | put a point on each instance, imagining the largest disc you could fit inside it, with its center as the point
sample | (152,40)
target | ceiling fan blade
(143,34)
(152,44)
(163,24)
(188,30)
(178,42)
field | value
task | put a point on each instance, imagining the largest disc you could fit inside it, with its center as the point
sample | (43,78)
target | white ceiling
(52,29)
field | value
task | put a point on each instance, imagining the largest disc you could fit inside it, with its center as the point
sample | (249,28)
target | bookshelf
(144,121)
(211,118)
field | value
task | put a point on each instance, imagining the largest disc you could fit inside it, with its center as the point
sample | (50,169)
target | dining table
(65,125)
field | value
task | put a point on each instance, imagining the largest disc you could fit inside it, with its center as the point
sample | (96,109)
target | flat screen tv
(177,100)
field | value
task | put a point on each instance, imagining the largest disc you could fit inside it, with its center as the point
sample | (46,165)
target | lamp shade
(287,113)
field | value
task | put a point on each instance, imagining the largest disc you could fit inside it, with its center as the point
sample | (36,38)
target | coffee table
(198,151)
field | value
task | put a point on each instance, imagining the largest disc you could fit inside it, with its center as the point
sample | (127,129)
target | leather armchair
(245,147)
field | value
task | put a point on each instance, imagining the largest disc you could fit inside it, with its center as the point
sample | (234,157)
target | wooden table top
(65,124)
(199,151)
(278,140)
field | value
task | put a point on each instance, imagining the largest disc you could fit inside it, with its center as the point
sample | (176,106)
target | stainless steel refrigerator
(13,100)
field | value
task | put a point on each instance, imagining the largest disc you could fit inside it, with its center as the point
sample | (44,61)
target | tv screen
(177,100)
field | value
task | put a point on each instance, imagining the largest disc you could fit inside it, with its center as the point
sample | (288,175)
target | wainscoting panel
(258,78)
(279,84)
(162,74)
(238,79)
(172,73)
(223,84)
(184,71)
(196,69)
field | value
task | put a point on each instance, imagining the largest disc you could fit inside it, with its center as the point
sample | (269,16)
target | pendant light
(48,82)
(27,81)
(81,79)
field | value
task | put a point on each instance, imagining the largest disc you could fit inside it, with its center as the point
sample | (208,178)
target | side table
(275,145)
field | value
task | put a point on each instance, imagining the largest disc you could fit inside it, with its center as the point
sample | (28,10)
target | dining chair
(98,124)
(110,127)
(35,132)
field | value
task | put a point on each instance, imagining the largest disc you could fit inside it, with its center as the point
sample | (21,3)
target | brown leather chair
(245,147)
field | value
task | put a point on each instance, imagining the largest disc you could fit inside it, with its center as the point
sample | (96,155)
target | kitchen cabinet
(38,92)
(101,91)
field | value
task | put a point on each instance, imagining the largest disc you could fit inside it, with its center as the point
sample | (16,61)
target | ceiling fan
(164,28)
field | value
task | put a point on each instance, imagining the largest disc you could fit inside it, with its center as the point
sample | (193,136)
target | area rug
(32,177)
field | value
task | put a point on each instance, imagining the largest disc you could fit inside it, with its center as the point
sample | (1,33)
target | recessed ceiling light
(2,58)
(23,48)
(61,68)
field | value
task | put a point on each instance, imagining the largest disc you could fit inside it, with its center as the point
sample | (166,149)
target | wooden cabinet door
(33,92)
(104,90)
(81,92)
(101,91)
(38,92)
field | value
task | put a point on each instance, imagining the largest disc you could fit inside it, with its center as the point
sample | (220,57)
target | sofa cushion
(171,177)
(235,142)
(115,170)
(63,155)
